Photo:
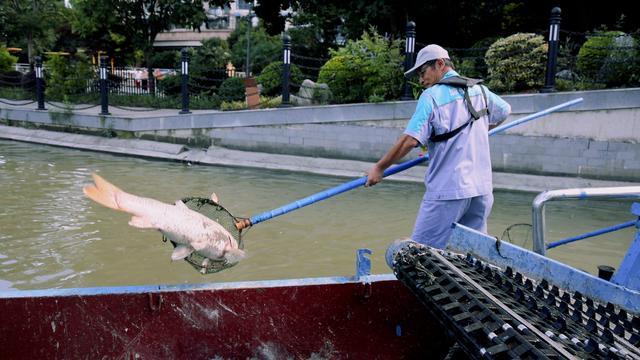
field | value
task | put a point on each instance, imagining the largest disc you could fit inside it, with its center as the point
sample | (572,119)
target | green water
(51,236)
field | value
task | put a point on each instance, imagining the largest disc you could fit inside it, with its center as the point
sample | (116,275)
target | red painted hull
(326,319)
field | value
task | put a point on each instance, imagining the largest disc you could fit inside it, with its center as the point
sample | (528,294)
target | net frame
(222,216)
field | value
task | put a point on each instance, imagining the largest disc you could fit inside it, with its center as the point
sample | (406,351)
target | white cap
(428,53)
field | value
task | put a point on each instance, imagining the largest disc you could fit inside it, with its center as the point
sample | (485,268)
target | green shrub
(344,75)
(470,62)
(7,61)
(208,66)
(263,50)
(233,105)
(271,78)
(371,66)
(67,77)
(166,59)
(606,58)
(171,85)
(517,62)
(232,89)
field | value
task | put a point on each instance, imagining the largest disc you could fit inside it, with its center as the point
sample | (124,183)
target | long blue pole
(390,171)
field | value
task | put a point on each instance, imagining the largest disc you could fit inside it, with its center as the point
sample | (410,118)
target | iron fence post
(286,70)
(104,86)
(408,59)
(552,55)
(185,82)
(39,84)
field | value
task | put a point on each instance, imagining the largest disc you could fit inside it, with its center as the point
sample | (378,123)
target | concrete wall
(598,138)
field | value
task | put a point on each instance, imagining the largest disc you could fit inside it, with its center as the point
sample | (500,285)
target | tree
(137,22)
(30,22)
(263,48)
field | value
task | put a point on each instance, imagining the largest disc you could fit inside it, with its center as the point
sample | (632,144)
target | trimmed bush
(232,89)
(171,85)
(369,68)
(606,58)
(517,62)
(271,78)
(344,75)
(7,61)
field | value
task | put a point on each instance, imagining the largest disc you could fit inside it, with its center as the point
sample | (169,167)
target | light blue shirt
(459,167)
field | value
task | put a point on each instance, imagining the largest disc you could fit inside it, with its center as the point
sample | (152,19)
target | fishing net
(222,216)
(519,234)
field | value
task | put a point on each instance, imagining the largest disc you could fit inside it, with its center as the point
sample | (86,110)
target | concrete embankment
(214,155)
(596,139)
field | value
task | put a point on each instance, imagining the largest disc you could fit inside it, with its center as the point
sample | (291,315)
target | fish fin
(102,192)
(214,197)
(232,256)
(180,204)
(181,252)
(141,222)
(203,266)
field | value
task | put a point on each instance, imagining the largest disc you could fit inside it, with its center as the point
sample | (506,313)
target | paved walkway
(221,156)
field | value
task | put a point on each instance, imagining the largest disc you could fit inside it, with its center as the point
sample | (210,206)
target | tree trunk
(30,48)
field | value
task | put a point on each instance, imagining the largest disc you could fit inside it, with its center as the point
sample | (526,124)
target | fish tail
(103,192)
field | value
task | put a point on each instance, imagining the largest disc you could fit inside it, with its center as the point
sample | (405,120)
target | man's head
(431,64)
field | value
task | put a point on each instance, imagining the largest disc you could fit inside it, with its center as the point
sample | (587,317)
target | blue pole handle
(390,171)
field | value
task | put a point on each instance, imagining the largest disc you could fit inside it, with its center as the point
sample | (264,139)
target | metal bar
(390,171)
(590,234)
(627,274)
(538,267)
(539,244)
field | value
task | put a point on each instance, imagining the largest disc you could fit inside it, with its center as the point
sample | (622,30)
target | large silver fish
(191,230)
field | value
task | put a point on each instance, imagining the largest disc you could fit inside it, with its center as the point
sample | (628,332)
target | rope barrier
(16,104)
(70,107)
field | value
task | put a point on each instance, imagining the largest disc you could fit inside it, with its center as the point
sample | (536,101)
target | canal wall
(598,138)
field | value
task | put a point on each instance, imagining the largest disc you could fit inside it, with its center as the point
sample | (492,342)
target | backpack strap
(465,83)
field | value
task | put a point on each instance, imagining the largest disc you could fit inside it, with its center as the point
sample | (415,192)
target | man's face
(430,74)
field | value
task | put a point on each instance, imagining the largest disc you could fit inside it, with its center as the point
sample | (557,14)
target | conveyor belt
(499,314)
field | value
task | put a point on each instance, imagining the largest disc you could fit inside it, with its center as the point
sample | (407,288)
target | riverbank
(215,155)
(598,138)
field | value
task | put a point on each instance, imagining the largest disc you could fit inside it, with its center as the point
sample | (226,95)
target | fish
(190,230)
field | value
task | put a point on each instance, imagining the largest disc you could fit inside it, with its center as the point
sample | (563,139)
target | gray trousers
(433,223)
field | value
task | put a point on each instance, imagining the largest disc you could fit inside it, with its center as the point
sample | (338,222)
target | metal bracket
(635,209)
(155,302)
(363,263)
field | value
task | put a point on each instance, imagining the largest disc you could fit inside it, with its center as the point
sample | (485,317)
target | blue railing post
(104,86)
(409,51)
(39,84)
(185,81)
(552,54)
(627,274)
(286,69)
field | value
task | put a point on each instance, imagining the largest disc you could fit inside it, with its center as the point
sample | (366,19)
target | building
(220,23)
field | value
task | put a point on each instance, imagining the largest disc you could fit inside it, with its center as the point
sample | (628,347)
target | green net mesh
(222,216)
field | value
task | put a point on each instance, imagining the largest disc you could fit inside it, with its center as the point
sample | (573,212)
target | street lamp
(250,24)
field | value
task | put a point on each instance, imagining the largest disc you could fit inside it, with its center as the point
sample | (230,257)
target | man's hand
(374,175)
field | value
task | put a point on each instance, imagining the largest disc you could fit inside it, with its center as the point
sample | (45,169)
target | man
(452,121)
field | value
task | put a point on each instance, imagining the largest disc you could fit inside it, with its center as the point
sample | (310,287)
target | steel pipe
(539,244)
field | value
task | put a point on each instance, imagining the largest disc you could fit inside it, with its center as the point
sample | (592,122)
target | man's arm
(401,148)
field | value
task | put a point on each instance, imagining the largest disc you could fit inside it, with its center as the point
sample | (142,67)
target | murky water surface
(51,236)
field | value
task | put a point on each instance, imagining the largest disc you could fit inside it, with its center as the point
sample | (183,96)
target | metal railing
(539,227)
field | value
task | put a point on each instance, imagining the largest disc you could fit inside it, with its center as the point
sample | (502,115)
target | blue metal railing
(590,234)
(539,243)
